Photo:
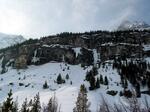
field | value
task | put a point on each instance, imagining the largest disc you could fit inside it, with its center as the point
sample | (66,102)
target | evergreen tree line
(95,82)
(82,104)
(59,80)
(136,72)
(33,105)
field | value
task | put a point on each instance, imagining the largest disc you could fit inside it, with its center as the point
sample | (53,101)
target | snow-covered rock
(9,40)
(135,25)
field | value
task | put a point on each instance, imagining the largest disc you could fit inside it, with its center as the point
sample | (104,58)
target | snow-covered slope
(136,25)
(34,77)
(8,40)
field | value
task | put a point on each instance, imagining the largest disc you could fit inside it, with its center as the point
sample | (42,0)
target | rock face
(110,51)
(40,54)
(21,62)
(78,48)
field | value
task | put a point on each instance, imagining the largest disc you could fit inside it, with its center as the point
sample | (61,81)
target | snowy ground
(35,76)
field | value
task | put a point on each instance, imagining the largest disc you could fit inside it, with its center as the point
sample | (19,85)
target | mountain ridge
(7,40)
(83,57)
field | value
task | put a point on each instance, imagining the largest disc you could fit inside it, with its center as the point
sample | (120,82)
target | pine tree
(88,75)
(24,107)
(94,70)
(3,66)
(67,76)
(82,102)
(59,79)
(70,82)
(45,85)
(106,81)
(122,82)
(52,105)
(15,106)
(92,83)
(101,79)
(126,84)
(36,104)
(97,83)
(30,103)
(83,88)
(8,104)
(138,92)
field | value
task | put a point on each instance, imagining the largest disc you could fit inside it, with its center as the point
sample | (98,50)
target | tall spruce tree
(97,83)
(106,81)
(138,92)
(8,104)
(88,75)
(101,79)
(126,84)
(59,79)
(52,105)
(24,107)
(36,104)
(82,102)
(94,71)
(15,106)
(92,83)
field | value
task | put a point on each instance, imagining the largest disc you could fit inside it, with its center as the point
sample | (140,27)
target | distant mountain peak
(7,40)
(135,25)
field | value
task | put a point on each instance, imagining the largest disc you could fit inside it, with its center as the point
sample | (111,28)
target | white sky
(36,18)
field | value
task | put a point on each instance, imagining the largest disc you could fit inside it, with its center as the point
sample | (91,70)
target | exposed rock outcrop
(124,44)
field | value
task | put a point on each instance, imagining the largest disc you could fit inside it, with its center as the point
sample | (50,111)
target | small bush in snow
(67,76)
(70,82)
(21,84)
(27,85)
(68,68)
(45,85)
(112,92)
(11,83)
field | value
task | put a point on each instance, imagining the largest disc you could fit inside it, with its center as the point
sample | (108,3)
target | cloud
(36,18)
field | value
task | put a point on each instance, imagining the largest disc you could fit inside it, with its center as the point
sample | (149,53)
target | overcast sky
(36,18)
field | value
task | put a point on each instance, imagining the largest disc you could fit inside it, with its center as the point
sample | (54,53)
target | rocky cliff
(77,48)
